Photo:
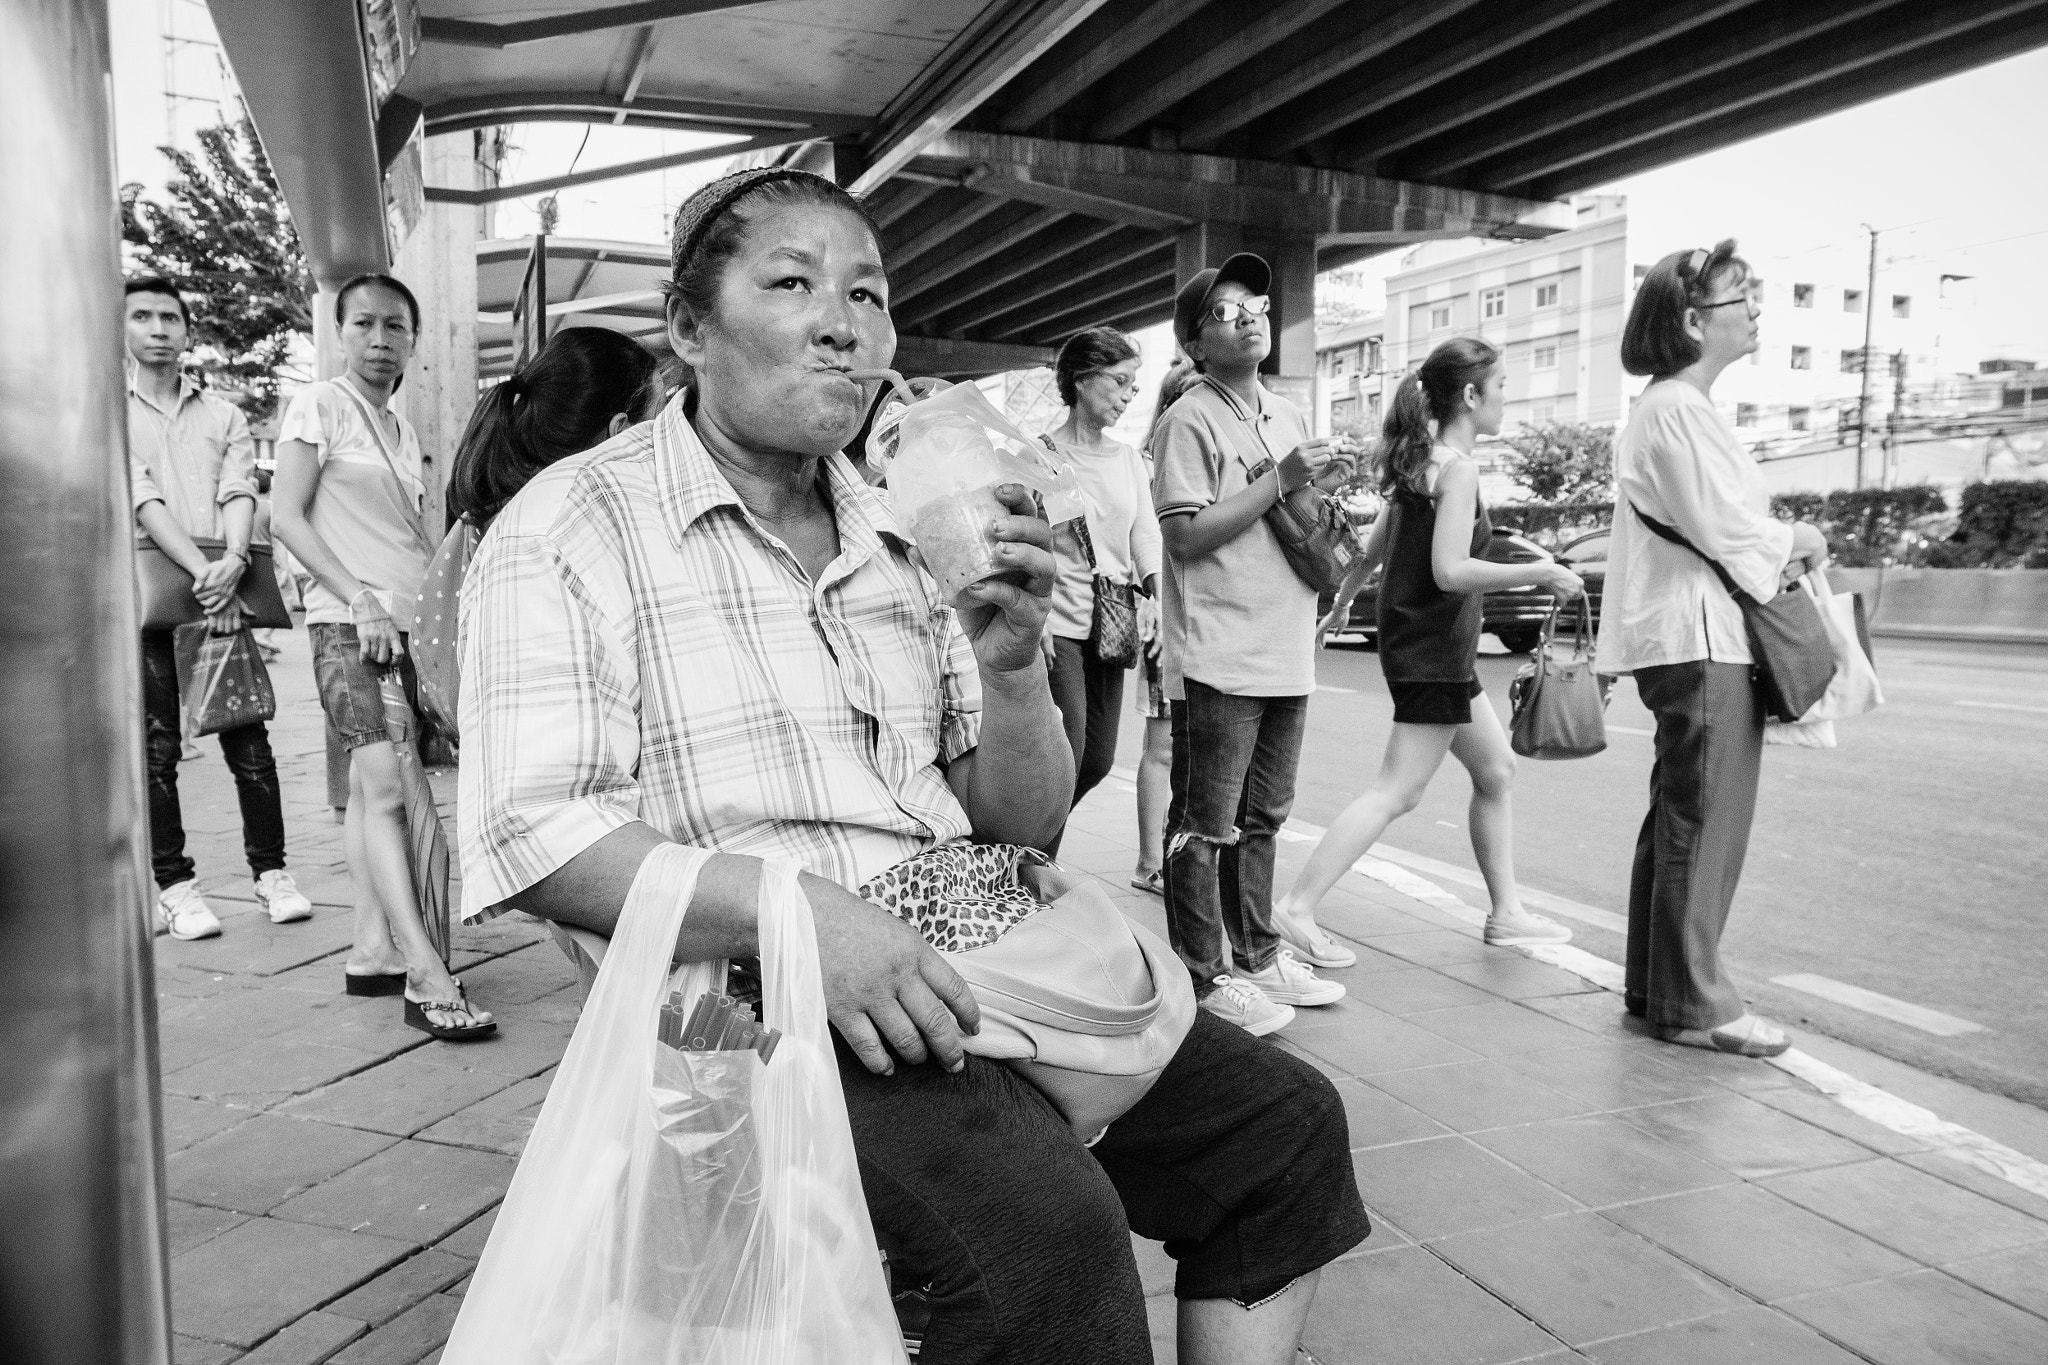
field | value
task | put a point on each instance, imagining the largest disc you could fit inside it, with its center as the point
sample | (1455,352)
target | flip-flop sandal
(1716,1040)
(1153,882)
(373,983)
(416,1017)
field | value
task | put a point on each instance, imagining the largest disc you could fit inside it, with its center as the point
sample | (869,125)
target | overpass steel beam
(595,106)
(982,60)
(1097,60)
(1576,59)
(1717,100)
(948,355)
(1200,64)
(943,231)
(1022,230)
(82,1259)
(1298,78)
(1711,59)
(1154,285)
(964,314)
(448,194)
(1330,114)
(1065,244)
(1083,291)
(471,33)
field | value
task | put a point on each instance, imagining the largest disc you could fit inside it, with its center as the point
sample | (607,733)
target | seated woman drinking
(710,630)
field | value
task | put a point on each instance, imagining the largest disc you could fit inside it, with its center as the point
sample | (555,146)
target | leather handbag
(1113,622)
(1787,638)
(1314,534)
(164,589)
(1559,707)
(1087,1005)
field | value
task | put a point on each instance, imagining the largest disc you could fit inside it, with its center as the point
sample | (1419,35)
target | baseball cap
(1188,305)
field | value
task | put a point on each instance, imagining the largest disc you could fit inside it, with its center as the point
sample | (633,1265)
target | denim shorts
(353,692)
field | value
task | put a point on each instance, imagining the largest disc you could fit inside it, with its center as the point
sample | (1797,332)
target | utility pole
(1869,316)
(1894,421)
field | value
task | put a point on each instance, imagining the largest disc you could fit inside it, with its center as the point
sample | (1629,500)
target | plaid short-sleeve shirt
(636,646)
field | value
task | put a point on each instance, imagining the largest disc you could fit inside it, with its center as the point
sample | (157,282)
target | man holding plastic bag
(702,652)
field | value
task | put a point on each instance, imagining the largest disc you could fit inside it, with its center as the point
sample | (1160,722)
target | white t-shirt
(1121,524)
(369,509)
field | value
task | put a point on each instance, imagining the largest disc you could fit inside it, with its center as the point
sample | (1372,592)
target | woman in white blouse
(1097,375)
(1666,619)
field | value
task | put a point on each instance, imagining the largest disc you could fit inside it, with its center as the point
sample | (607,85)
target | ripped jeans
(1233,786)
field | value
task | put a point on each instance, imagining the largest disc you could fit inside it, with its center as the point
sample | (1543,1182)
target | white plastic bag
(678,1208)
(952,450)
(1854,689)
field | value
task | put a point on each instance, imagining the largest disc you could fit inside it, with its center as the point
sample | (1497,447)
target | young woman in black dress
(1433,534)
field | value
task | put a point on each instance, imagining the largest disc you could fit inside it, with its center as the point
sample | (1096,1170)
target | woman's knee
(1494,776)
(373,779)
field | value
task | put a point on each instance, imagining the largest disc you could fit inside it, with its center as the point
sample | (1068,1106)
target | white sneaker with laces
(1287,980)
(1246,1006)
(280,895)
(182,912)
(1523,930)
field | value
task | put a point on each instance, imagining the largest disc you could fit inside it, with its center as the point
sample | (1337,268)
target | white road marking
(1630,730)
(2004,706)
(1883,1006)
(1325,687)
(1859,1097)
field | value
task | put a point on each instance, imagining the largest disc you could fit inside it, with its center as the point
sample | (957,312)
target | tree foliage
(227,241)
(1562,461)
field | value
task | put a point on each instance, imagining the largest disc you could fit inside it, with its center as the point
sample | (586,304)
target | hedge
(2001,525)
(1866,527)
(1553,524)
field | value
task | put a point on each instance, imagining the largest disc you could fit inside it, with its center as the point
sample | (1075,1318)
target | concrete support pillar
(438,262)
(82,1263)
(1291,368)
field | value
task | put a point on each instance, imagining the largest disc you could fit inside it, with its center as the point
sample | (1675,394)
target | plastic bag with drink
(952,450)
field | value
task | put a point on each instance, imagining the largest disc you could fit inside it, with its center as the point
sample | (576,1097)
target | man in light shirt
(191,472)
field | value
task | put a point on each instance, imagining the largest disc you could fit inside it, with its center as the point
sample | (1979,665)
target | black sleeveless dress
(1428,638)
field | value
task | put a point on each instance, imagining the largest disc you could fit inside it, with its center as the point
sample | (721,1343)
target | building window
(1338,368)
(1343,412)
(1796,418)
(1440,317)
(1543,412)
(1852,361)
(1745,414)
(1802,296)
(1493,303)
(1852,300)
(1546,295)
(1543,358)
(1641,272)
(1372,356)
(1902,305)
(1802,357)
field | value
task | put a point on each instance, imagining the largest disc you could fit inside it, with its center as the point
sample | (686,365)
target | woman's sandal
(373,983)
(416,1017)
(1153,882)
(1743,1043)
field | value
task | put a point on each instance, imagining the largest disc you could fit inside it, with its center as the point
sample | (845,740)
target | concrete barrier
(2008,606)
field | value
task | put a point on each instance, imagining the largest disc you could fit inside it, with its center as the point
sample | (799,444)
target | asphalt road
(1911,861)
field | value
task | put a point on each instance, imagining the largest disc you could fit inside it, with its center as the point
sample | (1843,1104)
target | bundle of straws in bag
(718,1023)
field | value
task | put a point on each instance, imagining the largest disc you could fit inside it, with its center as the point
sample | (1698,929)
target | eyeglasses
(1119,385)
(1227,310)
(1751,295)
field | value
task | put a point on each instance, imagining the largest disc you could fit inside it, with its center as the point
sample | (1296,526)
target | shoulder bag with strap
(1314,534)
(1558,709)
(1787,638)
(1113,623)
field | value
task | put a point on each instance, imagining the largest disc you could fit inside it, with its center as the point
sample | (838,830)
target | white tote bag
(686,1208)
(1854,689)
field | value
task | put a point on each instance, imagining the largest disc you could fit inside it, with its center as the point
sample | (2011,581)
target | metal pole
(82,1264)
(1869,315)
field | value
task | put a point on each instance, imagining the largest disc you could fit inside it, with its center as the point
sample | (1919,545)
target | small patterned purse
(1113,628)
(222,683)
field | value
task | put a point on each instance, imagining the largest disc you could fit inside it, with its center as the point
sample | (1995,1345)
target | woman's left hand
(1003,621)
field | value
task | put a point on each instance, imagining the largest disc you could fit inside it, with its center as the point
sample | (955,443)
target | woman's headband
(703,208)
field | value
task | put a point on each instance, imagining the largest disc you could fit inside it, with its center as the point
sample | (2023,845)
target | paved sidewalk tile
(1447,1185)
(310,1340)
(1610,1075)
(1517,978)
(1585,1279)
(1415,989)
(193,1351)
(1377,1118)
(1477,1095)
(469,1239)
(407,1338)
(415,1191)
(268,1067)
(1744,1137)
(402,1286)
(1958,1172)
(187,1225)
(251,1280)
(1764,1245)
(1380,1044)
(1600,1160)
(2019,1277)
(1911,1211)
(260,1164)
(1926,1318)
(1499,1028)
(501,1123)
(1406,1305)
(187,1121)
(399,1097)
(1438,947)
(1745,1336)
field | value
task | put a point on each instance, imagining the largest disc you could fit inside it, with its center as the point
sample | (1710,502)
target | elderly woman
(1668,620)
(709,630)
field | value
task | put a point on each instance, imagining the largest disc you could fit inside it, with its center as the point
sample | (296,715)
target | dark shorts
(1434,703)
(354,693)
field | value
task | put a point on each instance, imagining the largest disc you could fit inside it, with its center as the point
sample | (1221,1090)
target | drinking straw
(893,379)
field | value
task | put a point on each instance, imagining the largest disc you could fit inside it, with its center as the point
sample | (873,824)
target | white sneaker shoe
(1246,1006)
(280,895)
(182,912)
(1524,930)
(1287,980)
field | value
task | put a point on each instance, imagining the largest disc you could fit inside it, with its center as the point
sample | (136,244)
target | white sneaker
(280,895)
(1246,1006)
(1524,930)
(1287,980)
(182,912)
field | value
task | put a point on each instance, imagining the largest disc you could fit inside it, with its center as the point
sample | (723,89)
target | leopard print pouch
(958,896)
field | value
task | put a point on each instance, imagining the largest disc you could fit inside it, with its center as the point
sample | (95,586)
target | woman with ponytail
(586,386)
(1433,534)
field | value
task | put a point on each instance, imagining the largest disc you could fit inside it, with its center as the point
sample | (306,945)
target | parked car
(1515,616)
(1587,557)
